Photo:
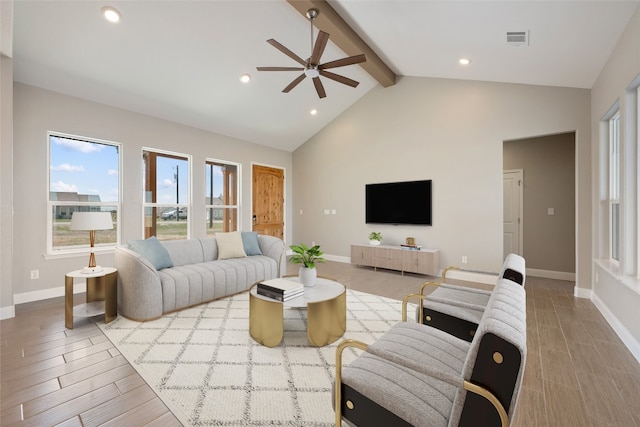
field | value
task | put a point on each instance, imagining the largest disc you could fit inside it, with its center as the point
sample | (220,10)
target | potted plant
(375,237)
(307,256)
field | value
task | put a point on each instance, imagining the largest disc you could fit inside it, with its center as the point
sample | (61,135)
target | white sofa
(195,274)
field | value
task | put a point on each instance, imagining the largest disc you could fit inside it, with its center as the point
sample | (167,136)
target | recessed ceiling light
(111,14)
(245,78)
(464,61)
(313,112)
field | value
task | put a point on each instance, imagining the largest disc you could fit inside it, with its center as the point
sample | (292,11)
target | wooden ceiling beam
(346,39)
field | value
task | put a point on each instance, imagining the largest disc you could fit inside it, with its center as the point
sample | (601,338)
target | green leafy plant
(375,235)
(302,254)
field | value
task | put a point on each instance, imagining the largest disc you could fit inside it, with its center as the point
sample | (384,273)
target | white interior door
(512,211)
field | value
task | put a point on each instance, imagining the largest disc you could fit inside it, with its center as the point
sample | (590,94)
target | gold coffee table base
(326,318)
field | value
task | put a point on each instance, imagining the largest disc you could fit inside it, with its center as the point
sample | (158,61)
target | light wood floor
(578,371)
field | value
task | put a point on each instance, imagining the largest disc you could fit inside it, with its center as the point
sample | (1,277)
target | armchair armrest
(446,270)
(456,381)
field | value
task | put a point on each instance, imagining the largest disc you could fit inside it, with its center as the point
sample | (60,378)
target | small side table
(101,296)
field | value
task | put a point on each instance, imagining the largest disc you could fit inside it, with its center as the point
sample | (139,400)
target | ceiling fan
(312,67)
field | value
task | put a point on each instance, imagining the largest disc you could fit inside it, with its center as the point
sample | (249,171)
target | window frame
(51,252)
(238,205)
(614,145)
(151,205)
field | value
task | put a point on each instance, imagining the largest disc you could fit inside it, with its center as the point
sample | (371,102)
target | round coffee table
(326,305)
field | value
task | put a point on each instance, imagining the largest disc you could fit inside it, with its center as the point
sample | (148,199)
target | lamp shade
(91,221)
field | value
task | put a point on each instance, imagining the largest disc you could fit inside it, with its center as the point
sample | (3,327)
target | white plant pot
(374,242)
(308,276)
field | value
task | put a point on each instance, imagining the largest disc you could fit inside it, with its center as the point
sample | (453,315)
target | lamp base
(91,270)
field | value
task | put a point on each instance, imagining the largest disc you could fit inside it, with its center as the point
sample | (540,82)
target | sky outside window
(83,167)
(168,188)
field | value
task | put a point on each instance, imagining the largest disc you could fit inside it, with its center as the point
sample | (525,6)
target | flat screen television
(407,202)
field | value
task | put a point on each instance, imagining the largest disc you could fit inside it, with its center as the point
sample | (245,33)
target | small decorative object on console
(375,237)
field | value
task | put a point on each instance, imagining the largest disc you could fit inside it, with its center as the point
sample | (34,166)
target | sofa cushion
(184,251)
(230,245)
(152,250)
(250,243)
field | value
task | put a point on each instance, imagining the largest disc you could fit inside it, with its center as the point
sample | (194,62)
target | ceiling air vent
(518,38)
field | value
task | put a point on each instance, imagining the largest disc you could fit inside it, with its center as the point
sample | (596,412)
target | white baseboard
(582,292)
(337,258)
(7,312)
(627,338)
(47,293)
(548,274)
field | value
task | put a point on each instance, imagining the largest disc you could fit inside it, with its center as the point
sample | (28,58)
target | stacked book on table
(280,289)
(411,247)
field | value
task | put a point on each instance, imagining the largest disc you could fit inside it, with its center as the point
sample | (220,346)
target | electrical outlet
(464,259)
(313,243)
(35,274)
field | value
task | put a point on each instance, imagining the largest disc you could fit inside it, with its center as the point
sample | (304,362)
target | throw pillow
(152,250)
(230,245)
(250,243)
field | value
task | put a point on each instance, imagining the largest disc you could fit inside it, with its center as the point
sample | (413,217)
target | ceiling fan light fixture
(313,112)
(111,14)
(312,72)
(464,61)
(245,78)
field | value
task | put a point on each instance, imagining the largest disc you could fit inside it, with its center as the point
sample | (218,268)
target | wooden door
(268,201)
(512,211)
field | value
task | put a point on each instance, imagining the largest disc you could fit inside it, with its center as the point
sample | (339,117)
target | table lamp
(91,221)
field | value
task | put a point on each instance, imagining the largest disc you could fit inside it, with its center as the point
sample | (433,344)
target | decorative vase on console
(375,238)
(307,256)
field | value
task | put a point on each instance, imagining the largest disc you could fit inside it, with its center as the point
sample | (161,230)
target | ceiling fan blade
(340,79)
(279,68)
(319,87)
(294,83)
(286,51)
(356,59)
(318,49)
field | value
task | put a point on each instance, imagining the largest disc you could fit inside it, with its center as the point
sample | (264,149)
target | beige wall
(548,165)
(37,111)
(452,132)
(616,289)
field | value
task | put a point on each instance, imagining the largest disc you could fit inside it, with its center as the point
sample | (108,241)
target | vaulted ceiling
(181,60)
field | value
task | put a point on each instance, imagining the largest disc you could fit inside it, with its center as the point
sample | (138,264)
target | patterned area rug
(207,369)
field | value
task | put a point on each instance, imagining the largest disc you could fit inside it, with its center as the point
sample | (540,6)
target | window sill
(613,269)
(78,254)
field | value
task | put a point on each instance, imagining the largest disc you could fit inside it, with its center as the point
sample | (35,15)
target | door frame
(284,196)
(520,175)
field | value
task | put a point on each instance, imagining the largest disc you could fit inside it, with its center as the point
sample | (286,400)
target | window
(614,187)
(166,195)
(221,197)
(84,175)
